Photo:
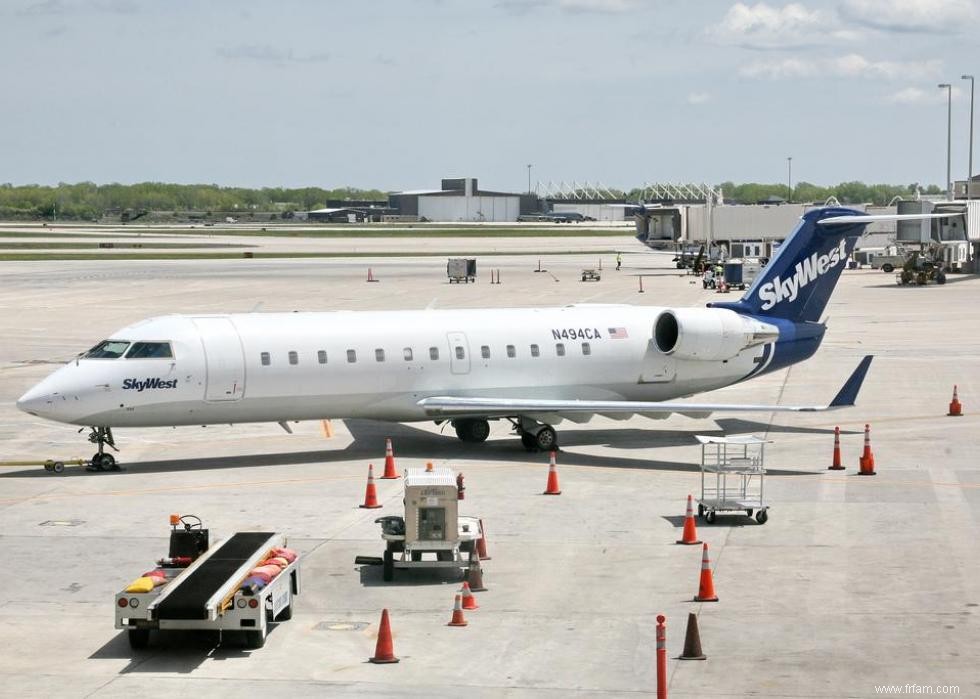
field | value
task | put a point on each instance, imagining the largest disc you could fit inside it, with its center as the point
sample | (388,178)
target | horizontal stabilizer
(871,218)
(848,393)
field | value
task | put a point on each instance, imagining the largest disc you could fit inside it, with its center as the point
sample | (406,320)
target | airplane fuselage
(271,367)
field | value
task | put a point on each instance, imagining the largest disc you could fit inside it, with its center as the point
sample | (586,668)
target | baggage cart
(732,476)
(461,270)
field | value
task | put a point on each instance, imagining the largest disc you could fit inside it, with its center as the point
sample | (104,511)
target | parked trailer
(432,534)
(203,587)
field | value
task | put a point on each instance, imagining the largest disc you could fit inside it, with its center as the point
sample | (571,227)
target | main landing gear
(102,461)
(472,430)
(534,435)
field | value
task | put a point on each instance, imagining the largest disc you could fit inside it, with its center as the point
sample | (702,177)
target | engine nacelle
(709,333)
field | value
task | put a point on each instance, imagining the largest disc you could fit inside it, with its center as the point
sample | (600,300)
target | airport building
(461,199)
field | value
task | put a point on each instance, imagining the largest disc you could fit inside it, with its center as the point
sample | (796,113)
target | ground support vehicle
(432,534)
(202,590)
(923,266)
(732,476)
(461,270)
(591,275)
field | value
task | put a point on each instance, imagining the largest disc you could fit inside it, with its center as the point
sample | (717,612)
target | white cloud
(852,65)
(698,98)
(917,95)
(763,26)
(927,16)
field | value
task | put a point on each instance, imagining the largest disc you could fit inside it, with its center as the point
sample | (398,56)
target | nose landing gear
(102,461)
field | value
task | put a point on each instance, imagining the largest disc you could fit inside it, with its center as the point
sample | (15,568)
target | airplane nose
(34,401)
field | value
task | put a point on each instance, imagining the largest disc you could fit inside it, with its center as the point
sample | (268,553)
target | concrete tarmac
(853,583)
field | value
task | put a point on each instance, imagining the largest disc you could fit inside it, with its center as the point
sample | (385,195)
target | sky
(396,94)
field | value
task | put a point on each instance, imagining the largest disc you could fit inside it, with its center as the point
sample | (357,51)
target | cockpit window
(150,350)
(107,349)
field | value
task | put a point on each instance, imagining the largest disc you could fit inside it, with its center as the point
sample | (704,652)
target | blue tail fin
(798,281)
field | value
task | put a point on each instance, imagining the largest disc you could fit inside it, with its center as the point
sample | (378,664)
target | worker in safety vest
(619,260)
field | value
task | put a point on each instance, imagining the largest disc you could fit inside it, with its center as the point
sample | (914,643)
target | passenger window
(150,350)
(408,354)
(433,353)
(586,349)
(379,355)
(560,349)
(107,349)
(460,352)
(351,356)
(511,351)
(265,358)
(485,352)
(321,356)
(535,352)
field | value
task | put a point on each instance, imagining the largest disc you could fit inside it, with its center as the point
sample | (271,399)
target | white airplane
(533,367)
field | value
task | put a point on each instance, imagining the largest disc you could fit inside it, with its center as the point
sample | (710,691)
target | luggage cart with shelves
(733,476)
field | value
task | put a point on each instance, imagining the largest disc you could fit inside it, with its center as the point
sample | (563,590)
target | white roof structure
(437,476)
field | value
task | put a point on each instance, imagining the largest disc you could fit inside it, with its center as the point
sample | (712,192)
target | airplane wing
(450,406)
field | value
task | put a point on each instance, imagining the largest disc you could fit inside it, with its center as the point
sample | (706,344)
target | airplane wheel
(472,430)
(546,439)
(96,463)
(108,462)
(528,441)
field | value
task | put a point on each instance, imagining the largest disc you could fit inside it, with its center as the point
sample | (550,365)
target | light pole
(789,180)
(969,174)
(949,137)
(529,166)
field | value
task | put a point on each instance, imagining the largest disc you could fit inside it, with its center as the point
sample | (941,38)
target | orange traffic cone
(867,460)
(469,600)
(474,575)
(692,640)
(552,488)
(690,535)
(458,619)
(390,471)
(481,544)
(706,588)
(429,467)
(836,465)
(955,407)
(371,277)
(384,652)
(371,493)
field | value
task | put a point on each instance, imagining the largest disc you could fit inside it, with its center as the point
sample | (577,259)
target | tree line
(86,200)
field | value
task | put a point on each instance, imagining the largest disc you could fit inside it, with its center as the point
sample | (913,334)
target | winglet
(848,393)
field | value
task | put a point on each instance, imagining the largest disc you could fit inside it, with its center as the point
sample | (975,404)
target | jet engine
(709,333)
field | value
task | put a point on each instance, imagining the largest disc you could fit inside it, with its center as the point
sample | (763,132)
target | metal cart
(732,476)
(461,270)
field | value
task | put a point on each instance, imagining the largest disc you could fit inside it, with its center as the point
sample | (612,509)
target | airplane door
(225,359)
(459,353)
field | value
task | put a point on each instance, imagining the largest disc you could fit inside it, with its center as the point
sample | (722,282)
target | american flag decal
(618,334)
